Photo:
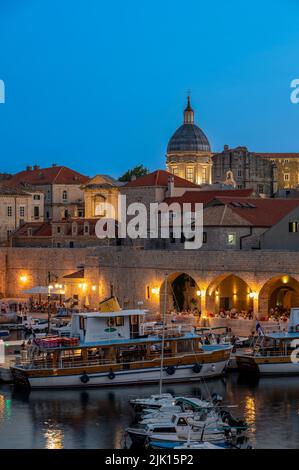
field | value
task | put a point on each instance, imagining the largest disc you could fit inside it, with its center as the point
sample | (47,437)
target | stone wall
(137,275)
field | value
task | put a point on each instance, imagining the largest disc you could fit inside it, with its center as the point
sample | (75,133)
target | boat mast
(163,333)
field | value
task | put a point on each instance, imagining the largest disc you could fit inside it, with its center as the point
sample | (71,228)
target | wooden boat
(273,353)
(110,348)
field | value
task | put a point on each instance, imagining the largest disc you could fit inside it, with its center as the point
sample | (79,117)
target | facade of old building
(61,186)
(101,195)
(266,173)
(246,169)
(189,152)
(18,207)
(287,165)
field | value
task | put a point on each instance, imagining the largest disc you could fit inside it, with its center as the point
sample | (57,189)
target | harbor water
(97,418)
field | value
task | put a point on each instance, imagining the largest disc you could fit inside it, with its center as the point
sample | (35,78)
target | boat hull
(281,365)
(46,380)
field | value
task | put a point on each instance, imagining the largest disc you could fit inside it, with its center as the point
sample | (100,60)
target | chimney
(170,186)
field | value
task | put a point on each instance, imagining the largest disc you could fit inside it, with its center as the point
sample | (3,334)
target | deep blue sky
(100,86)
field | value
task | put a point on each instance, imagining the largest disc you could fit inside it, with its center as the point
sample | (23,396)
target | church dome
(188,137)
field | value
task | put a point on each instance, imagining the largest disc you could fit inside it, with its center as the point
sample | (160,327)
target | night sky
(100,86)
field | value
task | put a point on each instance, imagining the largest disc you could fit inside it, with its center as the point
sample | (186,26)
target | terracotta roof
(160,178)
(38,229)
(207,196)
(12,191)
(259,212)
(52,175)
(277,155)
(76,275)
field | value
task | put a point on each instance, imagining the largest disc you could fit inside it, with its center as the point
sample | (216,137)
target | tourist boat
(273,353)
(110,348)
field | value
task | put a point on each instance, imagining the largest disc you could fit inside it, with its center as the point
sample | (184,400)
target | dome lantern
(188,113)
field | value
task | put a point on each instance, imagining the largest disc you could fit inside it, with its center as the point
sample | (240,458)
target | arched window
(99,206)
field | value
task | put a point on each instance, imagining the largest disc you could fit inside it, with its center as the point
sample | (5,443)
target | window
(293,227)
(239,172)
(204,237)
(58,229)
(9,211)
(86,229)
(260,188)
(190,173)
(175,171)
(204,175)
(49,195)
(99,206)
(22,212)
(119,321)
(36,197)
(110,322)
(286,161)
(36,212)
(286,176)
(64,195)
(231,239)
(9,232)
(71,244)
(80,213)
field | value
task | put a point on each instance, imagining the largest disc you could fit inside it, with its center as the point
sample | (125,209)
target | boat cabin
(99,326)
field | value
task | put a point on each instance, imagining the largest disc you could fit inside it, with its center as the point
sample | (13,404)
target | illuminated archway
(227,292)
(279,293)
(182,295)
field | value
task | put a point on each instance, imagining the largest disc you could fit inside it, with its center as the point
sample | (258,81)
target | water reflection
(97,418)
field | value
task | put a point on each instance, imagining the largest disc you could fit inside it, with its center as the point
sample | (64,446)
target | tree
(136,172)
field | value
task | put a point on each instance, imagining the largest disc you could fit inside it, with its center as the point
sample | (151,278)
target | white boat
(179,427)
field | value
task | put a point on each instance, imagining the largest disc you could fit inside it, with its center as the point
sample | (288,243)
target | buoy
(197,368)
(170,370)
(111,375)
(84,378)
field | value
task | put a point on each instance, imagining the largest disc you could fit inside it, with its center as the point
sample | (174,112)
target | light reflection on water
(97,418)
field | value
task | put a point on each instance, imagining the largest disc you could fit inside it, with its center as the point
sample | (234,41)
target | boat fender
(197,368)
(111,375)
(84,378)
(170,370)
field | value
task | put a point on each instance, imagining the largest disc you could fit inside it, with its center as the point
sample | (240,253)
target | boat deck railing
(74,363)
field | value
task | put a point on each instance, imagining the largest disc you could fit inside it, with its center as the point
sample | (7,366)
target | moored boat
(110,348)
(273,353)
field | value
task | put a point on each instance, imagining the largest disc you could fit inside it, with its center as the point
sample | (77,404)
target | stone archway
(183,294)
(229,291)
(280,293)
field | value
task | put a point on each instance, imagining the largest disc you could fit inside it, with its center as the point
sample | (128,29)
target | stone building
(100,191)
(189,152)
(61,186)
(247,170)
(69,233)
(287,165)
(18,207)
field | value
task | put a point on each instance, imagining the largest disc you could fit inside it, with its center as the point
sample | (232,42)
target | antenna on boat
(163,333)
